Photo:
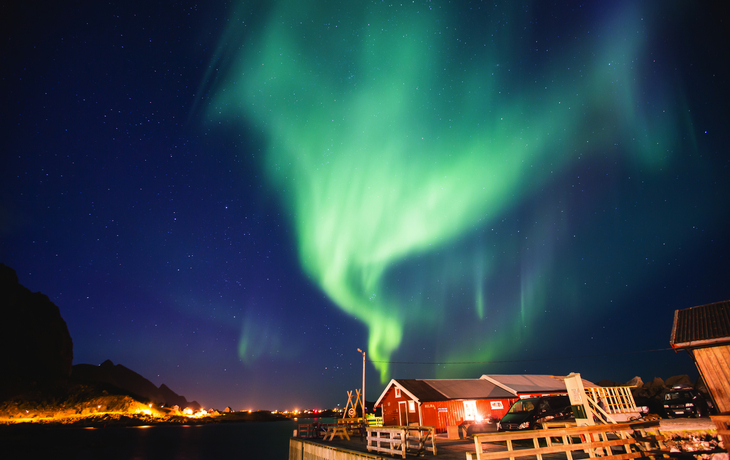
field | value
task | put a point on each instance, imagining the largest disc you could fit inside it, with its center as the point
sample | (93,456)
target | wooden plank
(555,449)
(536,443)
(722,355)
(630,455)
(591,439)
(556,432)
(711,364)
(394,443)
(714,363)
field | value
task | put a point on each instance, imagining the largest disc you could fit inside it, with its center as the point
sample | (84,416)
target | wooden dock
(356,449)
(461,449)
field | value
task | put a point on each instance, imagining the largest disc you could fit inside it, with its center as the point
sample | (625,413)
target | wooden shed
(442,402)
(704,332)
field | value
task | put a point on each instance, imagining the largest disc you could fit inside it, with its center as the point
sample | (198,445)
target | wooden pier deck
(448,449)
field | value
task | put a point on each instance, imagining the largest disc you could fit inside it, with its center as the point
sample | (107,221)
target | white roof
(446,389)
(521,383)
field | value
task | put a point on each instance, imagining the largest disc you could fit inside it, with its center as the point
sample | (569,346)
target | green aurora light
(394,130)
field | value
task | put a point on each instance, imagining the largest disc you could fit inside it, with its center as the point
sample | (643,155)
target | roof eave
(394,382)
(701,343)
(499,384)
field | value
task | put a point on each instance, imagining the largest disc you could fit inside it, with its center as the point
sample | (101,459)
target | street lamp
(363,384)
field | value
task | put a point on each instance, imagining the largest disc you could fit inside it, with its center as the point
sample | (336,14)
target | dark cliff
(35,345)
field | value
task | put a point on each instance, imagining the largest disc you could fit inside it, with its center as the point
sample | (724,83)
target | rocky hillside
(22,409)
(130,381)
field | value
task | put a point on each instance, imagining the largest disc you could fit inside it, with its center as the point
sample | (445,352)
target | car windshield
(522,406)
(678,395)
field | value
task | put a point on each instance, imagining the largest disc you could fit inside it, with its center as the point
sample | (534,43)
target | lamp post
(363,384)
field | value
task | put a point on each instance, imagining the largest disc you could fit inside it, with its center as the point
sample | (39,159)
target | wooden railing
(618,403)
(313,430)
(401,440)
(559,424)
(630,438)
(317,430)
(371,421)
(375,421)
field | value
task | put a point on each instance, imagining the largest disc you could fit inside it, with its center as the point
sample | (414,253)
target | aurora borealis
(233,198)
(392,133)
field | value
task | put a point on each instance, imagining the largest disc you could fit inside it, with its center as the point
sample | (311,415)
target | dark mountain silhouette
(36,355)
(35,346)
(129,381)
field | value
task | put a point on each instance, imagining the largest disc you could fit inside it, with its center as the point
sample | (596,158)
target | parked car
(530,413)
(685,402)
(470,427)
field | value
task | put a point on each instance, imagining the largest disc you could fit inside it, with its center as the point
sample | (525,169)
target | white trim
(385,391)
(499,384)
(392,383)
(402,413)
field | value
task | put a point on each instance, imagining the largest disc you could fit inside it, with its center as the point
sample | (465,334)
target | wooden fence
(317,430)
(303,449)
(597,440)
(312,430)
(401,440)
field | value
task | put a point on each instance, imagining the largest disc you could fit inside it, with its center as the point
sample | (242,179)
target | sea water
(214,441)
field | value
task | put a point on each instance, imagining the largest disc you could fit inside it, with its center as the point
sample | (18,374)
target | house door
(443,419)
(403,413)
(470,410)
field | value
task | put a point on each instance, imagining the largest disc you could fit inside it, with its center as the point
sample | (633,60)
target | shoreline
(122,419)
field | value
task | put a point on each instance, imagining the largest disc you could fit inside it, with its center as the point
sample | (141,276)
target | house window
(411,406)
(470,410)
(397,392)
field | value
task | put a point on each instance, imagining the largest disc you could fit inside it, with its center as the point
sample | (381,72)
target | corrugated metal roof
(521,383)
(701,326)
(469,389)
(421,390)
(452,389)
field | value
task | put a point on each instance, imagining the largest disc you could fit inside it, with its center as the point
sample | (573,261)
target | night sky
(232,197)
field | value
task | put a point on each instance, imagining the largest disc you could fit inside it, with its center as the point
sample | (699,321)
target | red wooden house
(442,402)
(453,402)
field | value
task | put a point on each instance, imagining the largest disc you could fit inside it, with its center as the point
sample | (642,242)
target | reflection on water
(261,440)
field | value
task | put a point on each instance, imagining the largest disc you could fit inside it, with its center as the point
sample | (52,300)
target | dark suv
(530,413)
(685,402)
